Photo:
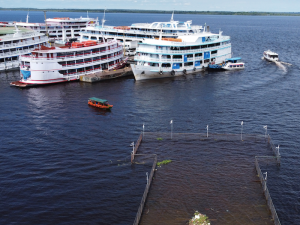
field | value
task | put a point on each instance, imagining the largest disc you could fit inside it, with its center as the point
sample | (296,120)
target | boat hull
(144,72)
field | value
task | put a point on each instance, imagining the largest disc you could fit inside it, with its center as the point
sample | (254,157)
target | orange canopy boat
(100,103)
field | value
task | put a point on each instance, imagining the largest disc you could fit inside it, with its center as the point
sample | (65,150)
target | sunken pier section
(220,175)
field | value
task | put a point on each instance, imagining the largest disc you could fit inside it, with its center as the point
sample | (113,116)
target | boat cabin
(233,60)
(100,103)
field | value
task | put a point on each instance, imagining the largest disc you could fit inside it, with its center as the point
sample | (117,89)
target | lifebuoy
(77,77)
(68,78)
(144,32)
(161,73)
(184,71)
(173,72)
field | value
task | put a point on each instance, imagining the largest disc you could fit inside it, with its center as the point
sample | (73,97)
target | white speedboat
(271,56)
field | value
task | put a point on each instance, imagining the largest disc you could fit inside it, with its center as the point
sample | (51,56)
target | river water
(63,162)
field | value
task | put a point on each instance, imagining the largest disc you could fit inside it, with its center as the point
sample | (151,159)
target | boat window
(234,65)
(230,66)
(237,65)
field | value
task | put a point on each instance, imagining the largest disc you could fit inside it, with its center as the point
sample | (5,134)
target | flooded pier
(215,175)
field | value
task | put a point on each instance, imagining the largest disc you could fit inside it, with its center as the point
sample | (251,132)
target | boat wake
(281,66)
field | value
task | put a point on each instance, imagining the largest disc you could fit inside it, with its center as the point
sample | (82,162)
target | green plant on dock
(159,139)
(199,219)
(164,162)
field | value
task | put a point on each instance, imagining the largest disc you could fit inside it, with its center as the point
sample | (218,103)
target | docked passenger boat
(271,56)
(233,64)
(99,103)
(183,55)
(137,32)
(61,64)
(15,42)
(60,28)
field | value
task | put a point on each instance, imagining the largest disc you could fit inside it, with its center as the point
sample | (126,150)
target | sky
(188,5)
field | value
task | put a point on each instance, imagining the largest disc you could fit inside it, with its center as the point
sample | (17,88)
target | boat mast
(103,20)
(27,17)
(172,17)
(46,26)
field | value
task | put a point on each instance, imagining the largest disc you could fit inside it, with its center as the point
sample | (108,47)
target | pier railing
(267,193)
(149,180)
(141,207)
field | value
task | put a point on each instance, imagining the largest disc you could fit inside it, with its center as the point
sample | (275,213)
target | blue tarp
(203,39)
(26,74)
(185,58)
(197,63)
(206,55)
(176,66)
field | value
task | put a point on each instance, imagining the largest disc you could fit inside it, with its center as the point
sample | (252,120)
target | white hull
(234,66)
(143,72)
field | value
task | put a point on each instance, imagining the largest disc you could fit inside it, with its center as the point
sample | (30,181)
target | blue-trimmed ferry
(228,64)
(169,57)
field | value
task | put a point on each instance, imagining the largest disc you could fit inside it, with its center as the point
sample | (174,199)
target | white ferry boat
(158,58)
(61,64)
(228,64)
(233,64)
(17,42)
(271,56)
(60,28)
(137,32)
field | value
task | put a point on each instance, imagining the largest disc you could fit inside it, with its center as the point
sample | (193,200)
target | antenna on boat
(160,34)
(27,17)
(172,17)
(17,30)
(103,20)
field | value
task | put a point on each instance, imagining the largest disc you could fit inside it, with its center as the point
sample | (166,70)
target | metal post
(278,154)
(242,130)
(265,179)
(266,128)
(171,128)
(143,129)
(132,153)
(207,131)
(147,178)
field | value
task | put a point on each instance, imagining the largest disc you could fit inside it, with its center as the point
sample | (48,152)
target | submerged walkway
(214,175)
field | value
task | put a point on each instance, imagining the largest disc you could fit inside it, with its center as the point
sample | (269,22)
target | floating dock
(106,75)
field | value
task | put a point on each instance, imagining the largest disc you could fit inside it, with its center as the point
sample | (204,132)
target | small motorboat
(228,64)
(99,103)
(271,56)
(233,64)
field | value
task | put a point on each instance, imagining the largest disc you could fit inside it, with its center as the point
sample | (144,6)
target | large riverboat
(62,64)
(15,42)
(60,28)
(158,58)
(137,32)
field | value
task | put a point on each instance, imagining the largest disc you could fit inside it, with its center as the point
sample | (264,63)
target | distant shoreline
(159,11)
